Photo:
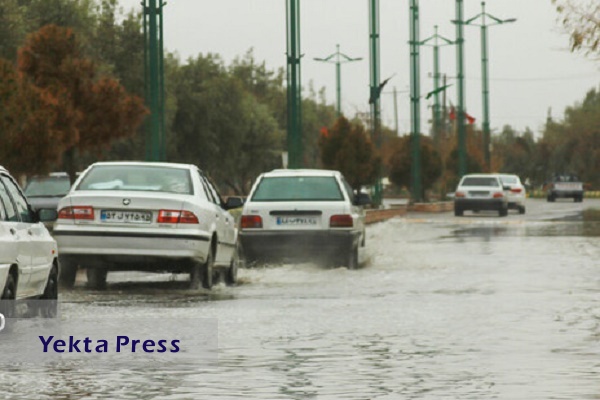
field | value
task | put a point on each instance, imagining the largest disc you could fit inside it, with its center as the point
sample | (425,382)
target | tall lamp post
(154,79)
(376,87)
(294,99)
(338,59)
(484,75)
(415,103)
(460,92)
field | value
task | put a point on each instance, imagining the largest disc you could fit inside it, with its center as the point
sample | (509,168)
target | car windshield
(509,180)
(47,187)
(137,178)
(298,188)
(480,181)
(566,178)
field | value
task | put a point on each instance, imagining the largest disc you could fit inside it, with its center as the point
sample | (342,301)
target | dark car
(564,186)
(45,191)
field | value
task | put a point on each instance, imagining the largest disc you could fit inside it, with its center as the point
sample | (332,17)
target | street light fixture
(338,59)
(484,74)
(437,89)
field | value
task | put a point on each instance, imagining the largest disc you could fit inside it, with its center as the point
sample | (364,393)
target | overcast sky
(531,68)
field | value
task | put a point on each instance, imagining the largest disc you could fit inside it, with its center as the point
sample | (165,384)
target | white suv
(302,214)
(28,254)
(516,192)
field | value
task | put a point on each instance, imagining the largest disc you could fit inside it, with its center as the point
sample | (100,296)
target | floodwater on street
(476,307)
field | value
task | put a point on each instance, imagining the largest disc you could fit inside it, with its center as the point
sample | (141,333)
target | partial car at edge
(28,254)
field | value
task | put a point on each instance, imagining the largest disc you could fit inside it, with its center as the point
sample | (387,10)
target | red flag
(470,119)
(324,132)
(452,114)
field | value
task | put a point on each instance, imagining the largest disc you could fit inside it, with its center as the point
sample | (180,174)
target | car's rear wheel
(503,212)
(521,209)
(96,278)
(68,273)
(51,290)
(202,273)
(352,258)
(458,212)
(551,198)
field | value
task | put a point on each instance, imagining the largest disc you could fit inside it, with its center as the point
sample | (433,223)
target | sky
(531,69)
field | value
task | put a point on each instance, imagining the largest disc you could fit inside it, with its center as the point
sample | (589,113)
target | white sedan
(303,214)
(143,216)
(515,192)
(28,255)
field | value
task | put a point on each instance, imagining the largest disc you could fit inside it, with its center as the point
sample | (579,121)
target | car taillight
(176,217)
(459,194)
(76,212)
(341,221)
(251,221)
(498,195)
(516,190)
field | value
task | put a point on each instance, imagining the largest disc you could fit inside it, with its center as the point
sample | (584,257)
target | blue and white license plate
(296,221)
(127,217)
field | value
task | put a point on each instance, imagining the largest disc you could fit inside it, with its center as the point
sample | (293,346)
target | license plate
(127,217)
(296,221)
(479,193)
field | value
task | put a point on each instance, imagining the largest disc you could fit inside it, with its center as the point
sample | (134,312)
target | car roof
(480,175)
(143,163)
(304,172)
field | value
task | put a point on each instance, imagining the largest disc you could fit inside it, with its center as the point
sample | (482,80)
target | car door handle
(29,232)
(13,231)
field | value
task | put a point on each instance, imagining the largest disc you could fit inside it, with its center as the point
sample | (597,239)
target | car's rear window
(48,187)
(480,181)
(137,178)
(509,180)
(298,188)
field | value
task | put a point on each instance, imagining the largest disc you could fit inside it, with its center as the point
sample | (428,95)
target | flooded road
(477,307)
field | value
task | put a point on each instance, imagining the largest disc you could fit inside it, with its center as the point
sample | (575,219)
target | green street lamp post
(294,96)
(375,88)
(415,103)
(485,75)
(437,88)
(338,59)
(154,79)
(460,80)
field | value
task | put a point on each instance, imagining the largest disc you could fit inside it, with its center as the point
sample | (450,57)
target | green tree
(92,110)
(400,162)
(582,22)
(347,148)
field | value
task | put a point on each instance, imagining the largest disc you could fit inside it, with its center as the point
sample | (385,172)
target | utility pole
(437,108)
(460,77)
(294,95)
(415,103)
(484,76)
(376,87)
(338,59)
(154,80)
(396,125)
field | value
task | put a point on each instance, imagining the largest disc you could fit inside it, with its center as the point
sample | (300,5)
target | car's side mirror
(362,199)
(233,202)
(46,214)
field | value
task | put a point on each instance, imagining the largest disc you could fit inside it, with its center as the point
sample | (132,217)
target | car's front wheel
(10,289)
(236,262)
